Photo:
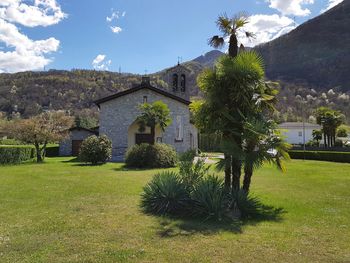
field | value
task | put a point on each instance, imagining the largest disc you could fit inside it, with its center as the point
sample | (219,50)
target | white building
(298,132)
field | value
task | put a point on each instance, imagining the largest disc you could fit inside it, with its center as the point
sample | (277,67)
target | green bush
(16,154)
(52,151)
(96,150)
(209,198)
(10,142)
(145,155)
(165,194)
(341,157)
(342,132)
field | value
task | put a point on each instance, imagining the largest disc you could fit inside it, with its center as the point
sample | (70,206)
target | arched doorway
(137,137)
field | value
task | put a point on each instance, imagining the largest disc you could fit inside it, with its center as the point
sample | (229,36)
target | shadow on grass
(123,167)
(172,227)
(76,162)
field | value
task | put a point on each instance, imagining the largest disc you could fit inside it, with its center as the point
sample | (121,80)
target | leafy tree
(48,127)
(152,115)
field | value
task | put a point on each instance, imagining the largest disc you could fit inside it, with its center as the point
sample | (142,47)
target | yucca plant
(209,198)
(165,194)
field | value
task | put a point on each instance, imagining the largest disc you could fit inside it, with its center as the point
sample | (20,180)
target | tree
(330,121)
(48,127)
(152,115)
(317,136)
(233,90)
(230,28)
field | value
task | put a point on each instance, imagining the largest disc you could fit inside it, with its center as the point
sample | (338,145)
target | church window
(179,129)
(144,99)
(175,82)
(183,83)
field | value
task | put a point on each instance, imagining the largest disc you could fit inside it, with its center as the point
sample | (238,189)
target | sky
(137,36)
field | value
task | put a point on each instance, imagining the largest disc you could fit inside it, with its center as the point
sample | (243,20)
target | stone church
(119,111)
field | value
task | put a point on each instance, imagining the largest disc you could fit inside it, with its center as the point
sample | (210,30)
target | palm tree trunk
(248,173)
(228,181)
(236,174)
(233,46)
(325,140)
(153,134)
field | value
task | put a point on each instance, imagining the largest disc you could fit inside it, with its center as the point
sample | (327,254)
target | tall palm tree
(152,115)
(230,28)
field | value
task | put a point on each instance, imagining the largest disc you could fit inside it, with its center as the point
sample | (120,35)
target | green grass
(63,212)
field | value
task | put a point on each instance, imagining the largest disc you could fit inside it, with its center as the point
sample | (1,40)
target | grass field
(61,211)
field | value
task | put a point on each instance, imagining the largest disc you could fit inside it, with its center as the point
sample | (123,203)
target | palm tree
(230,28)
(152,115)
(233,89)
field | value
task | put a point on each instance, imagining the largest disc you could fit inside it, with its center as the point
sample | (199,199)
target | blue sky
(136,35)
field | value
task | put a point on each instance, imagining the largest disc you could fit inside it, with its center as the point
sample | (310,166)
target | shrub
(16,154)
(191,173)
(342,157)
(96,150)
(209,198)
(342,132)
(52,151)
(165,194)
(145,155)
(338,143)
(10,142)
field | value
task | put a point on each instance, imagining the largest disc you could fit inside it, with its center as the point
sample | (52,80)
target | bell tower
(178,82)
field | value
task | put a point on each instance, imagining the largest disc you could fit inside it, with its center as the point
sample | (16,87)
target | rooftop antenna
(178,60)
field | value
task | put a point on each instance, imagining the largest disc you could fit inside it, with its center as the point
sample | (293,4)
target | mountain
(317,52)
(208,59)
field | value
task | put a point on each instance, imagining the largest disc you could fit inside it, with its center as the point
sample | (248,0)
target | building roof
(298,125)
(94,131)
(144,85)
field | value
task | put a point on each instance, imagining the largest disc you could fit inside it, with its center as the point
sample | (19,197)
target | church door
(143,138)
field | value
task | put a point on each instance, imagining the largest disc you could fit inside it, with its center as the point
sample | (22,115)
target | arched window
(175,82)
(183,83)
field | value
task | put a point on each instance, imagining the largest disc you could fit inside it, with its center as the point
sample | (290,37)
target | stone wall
(118,114)
(66,145)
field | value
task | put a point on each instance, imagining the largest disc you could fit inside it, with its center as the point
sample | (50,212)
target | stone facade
(118,115)
(65,147)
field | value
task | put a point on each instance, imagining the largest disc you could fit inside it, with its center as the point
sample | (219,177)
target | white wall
(292,135)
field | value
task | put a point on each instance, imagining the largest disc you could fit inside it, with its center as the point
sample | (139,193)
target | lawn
(61,211)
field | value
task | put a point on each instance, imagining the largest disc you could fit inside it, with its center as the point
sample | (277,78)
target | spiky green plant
(165,194)
(209,198)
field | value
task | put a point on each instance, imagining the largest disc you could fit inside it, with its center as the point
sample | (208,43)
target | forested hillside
(317,52)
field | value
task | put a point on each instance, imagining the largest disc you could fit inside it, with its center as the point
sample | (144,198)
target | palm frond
(216,41)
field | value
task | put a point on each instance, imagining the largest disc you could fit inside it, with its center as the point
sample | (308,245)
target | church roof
(143,85)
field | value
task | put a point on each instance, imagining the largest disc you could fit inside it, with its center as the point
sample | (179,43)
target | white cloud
(291,7)
(42,13)
(116,29)
(100,62)
(21,52)
(331,4)
(266,28)
(115,16)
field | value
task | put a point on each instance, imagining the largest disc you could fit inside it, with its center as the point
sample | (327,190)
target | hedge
(52,151)
(16,154)
(341,157)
